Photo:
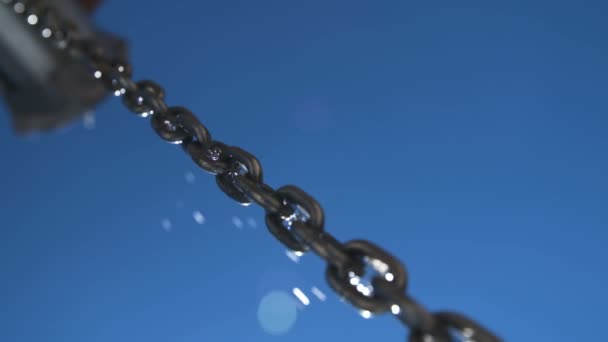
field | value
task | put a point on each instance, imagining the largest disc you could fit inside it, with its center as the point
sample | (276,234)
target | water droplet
(251,222)
(319,294)
(46,33)
(32,19)
(237,222)
(378,265)
(301,296)
(190,177)
(365,314)
(19,8)
(166,224)
(214,153)
(198,217)
(293,256)
(89,120)
(365,290)
(395,309)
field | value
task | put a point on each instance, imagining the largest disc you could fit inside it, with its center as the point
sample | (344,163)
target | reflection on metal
(365,290)
(353,278)
(378,265)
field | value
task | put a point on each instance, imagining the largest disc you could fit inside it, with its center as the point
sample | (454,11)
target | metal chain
(292,216)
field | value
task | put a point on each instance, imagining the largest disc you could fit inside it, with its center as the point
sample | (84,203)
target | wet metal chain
(292,216)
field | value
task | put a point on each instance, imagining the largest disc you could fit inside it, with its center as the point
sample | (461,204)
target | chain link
(292,216)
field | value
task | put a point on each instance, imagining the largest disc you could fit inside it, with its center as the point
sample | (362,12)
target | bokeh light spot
(277,312)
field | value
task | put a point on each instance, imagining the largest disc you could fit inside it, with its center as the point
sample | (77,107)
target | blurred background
(469,139)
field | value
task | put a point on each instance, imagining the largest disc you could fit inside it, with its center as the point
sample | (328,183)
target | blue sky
(467,138)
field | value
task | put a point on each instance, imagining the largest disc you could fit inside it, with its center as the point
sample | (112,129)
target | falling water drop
(166,224)
(301,296)
(237,222)
(198,217)
(89,120)
(318,293)
(190,177)
(251,222)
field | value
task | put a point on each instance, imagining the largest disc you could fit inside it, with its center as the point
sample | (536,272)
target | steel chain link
(292,216)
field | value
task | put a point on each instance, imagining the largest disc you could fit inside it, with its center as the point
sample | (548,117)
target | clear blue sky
(469,138)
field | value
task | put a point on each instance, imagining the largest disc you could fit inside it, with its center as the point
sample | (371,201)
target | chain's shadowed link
(139,100)
(243,165)
(189,123)
(278,225)
(239,174)
(327,247)
(404,308)
(385,264)
(65,35)
(441,334)
(167,127)
(210,158)
(263,195)
(178,124)
(117,77)
(468,329)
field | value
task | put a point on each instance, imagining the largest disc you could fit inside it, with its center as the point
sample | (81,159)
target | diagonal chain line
(292,216)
